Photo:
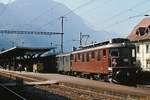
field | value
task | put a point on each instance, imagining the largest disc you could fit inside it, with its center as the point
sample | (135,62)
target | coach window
(87,57)
(66,59)
(82,57)
(75,58)
(138,49)
(147,48)
(78,56)
(98,55)
(71,57)
(148,64)
(104,53)
(93,54)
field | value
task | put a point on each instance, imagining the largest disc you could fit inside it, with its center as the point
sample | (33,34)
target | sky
(6,1)
(111,15)
(118,16)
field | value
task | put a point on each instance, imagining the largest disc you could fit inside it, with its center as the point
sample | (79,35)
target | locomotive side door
(104,61)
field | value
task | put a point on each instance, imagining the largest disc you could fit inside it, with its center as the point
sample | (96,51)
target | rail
(11,93)
(80,84)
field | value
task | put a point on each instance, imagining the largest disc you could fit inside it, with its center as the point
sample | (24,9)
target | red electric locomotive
(114,59)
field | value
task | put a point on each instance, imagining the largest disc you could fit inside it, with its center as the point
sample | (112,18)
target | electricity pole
(81,38)
(62,31)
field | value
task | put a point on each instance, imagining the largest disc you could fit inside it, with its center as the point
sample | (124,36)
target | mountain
(32,15)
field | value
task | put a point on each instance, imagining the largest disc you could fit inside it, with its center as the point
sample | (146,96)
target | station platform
(85,82)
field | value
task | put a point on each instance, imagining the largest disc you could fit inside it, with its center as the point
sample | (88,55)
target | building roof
(141,32)
(20,51)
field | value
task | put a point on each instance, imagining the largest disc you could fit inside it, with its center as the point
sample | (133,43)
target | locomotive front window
(125,52)
(125,56)
(114,53)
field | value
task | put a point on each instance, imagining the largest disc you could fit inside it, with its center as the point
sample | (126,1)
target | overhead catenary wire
(67,13)
(112,17)
(79,7)
(126,19)
(4,9)
(43,13)
(124,11)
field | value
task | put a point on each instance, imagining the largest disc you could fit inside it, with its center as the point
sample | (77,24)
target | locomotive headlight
(125,59)
(110,68)
(117,72)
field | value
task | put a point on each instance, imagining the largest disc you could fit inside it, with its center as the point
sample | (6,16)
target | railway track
(77,93)
(7,94)
(80,92)
(74,93)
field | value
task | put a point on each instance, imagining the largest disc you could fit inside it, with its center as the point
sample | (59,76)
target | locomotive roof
(115,40)
(119,42)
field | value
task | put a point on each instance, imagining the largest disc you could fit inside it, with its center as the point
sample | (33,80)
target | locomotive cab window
(114,53)
(125,52)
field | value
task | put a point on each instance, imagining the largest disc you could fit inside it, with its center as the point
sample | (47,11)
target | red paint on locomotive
(91,63)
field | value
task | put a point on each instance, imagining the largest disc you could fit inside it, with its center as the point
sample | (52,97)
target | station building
(28,59)
(140,36)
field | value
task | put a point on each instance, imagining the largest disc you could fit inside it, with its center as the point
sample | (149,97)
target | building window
(98,55)
(138,49)
(82,57)
(147,48)
(93,54)
(148,64)
(104,53)
(147,30)
(142,30)
(87,57)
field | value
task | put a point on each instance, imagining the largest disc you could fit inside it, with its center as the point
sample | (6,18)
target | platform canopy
(22,51)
